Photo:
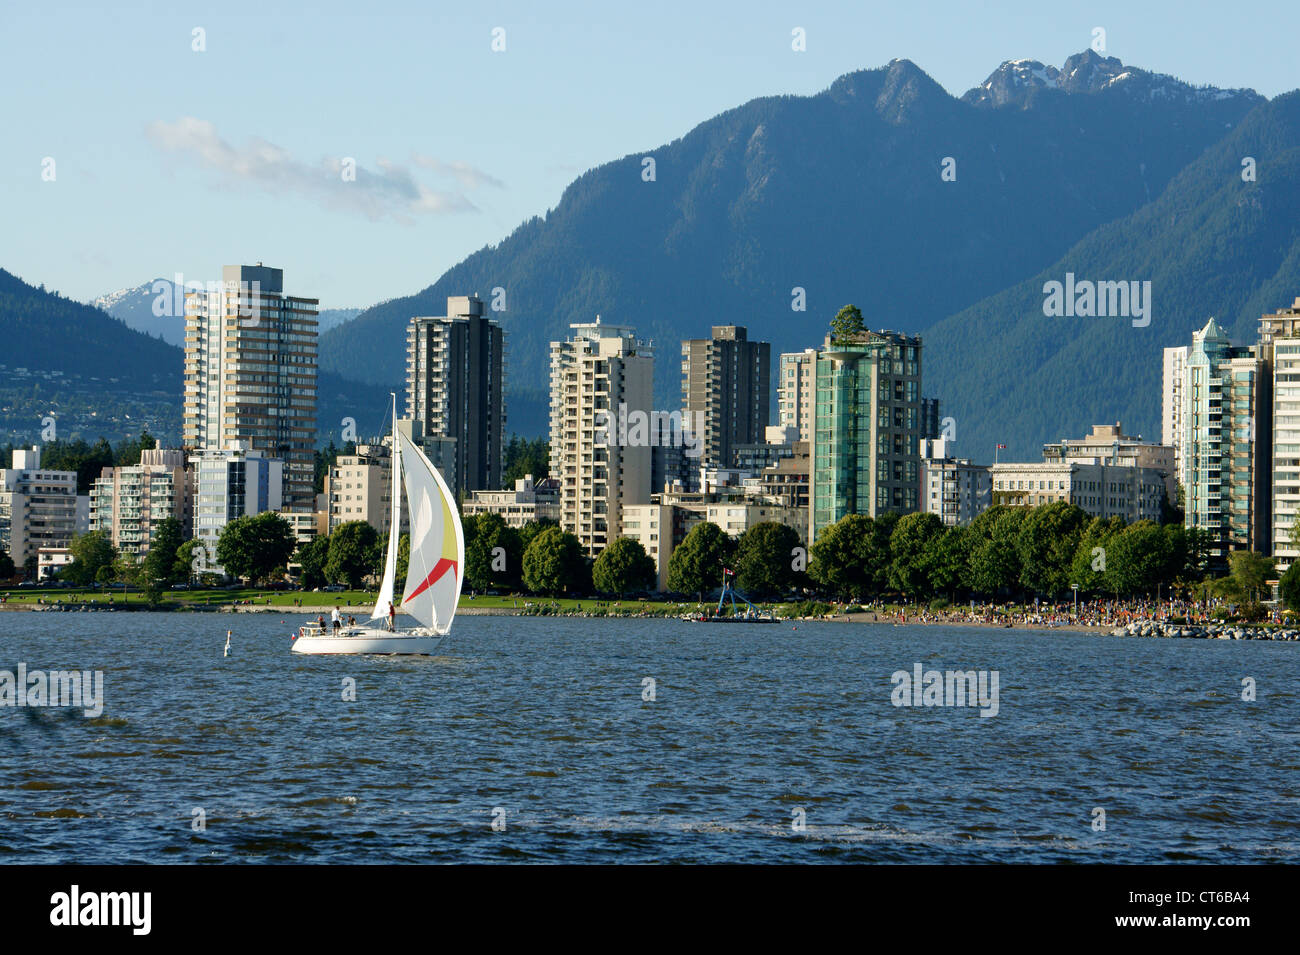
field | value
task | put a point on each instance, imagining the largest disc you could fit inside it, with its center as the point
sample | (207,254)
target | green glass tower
(866,427)
(1226,478)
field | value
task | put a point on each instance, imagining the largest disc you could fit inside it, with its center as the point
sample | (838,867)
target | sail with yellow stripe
(437,563)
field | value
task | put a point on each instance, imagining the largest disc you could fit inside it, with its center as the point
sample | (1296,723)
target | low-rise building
(50,561)
(1101,490)
(663,524)
(1108,444)
(358,487)
(38,507)
(529,501)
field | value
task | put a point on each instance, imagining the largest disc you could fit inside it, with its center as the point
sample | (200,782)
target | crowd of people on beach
(1091,613)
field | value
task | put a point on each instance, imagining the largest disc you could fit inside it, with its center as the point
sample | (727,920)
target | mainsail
(394,530)
(436,567)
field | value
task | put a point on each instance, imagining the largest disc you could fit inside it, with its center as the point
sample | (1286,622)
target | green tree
(160,562)
(765,560)
(1251,571)
(847,557)
(553,563)
(531,530)
(188,560)
(697,563)
(994,564)
(1136,559)
(622,566)
(128,569)
(947,557)
(1090,567)
(847,324)
(128,451)
(7,568)
(311,556)
(325,458)
(92,555)
(1288,587)
(1046,546)
(252,547)
(404,558)
(87,460)
(911,553)
(523,457)
(485,566)
(351,553)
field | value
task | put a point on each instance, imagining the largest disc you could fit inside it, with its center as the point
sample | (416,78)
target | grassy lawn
(274,598)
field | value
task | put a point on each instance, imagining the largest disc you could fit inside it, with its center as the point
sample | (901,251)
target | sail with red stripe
(437,562)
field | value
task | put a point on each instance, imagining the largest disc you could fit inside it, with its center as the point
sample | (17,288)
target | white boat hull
(368,640)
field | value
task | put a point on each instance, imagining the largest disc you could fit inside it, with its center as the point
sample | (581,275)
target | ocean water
(531,740)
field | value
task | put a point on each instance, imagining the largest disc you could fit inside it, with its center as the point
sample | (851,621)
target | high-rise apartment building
(455,386)
(1172,379)
(1280,336)
(129,503)
(726,386)
(1226,443)
(602,382)
(250,373)
(794,391)
(38,507)
(866,427)
(954,489)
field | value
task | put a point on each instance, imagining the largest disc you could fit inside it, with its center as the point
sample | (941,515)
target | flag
(1002,447)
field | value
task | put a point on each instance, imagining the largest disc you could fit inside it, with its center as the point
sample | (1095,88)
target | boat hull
(366,640)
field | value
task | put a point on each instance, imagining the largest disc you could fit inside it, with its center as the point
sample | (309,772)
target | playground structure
(750,613)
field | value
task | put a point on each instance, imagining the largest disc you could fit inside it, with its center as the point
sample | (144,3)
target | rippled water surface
(545,719)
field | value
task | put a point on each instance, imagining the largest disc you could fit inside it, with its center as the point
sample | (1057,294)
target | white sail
(394,529)
(437,562)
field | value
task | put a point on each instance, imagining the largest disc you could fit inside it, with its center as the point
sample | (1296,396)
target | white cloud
(468,176)
(387,191)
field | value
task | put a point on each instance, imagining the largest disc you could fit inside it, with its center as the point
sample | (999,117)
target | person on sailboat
(334,619)
(392,616)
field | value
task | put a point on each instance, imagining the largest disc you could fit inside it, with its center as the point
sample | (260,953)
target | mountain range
(884,191)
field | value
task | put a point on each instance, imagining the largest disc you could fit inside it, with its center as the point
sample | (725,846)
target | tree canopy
(253,546)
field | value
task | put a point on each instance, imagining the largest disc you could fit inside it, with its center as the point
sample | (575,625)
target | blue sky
(169,160)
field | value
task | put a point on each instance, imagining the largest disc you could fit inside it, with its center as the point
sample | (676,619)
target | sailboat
(434,571)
